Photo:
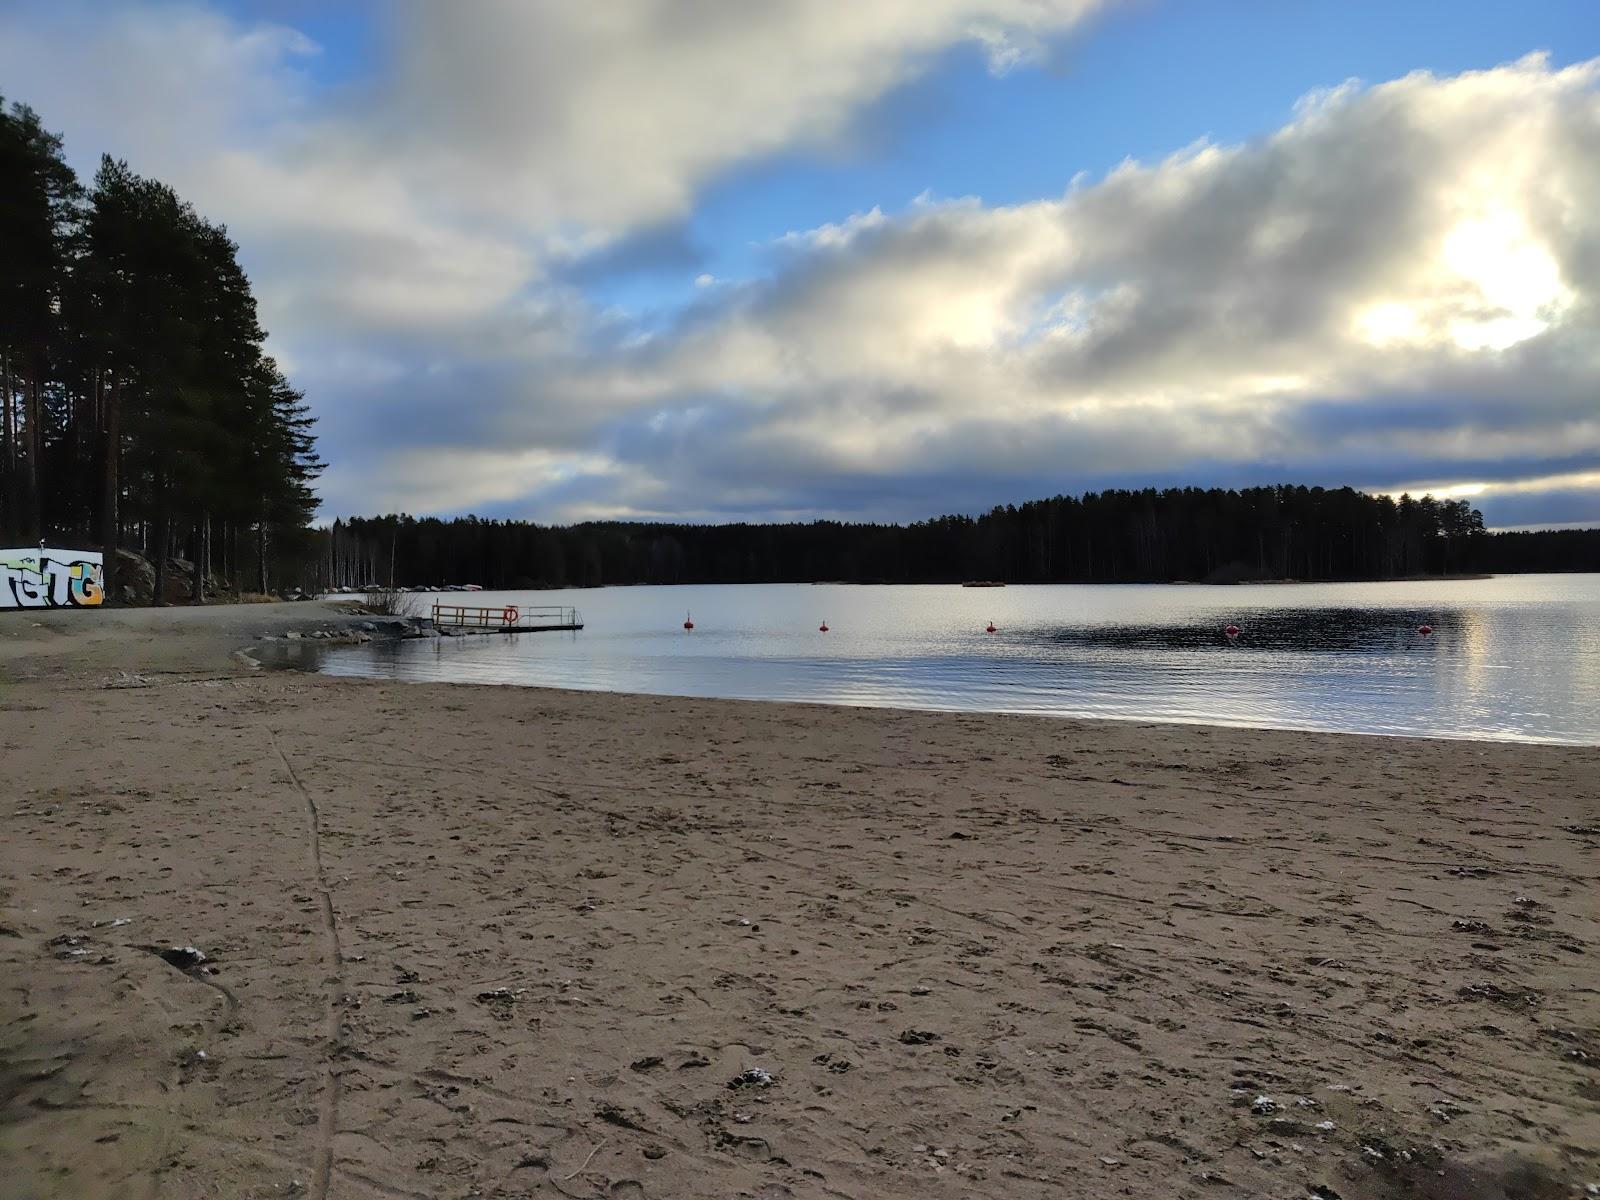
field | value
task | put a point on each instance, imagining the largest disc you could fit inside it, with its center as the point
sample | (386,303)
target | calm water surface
(1515,657)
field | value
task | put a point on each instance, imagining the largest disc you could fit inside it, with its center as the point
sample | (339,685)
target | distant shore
(424,589)
(531,942)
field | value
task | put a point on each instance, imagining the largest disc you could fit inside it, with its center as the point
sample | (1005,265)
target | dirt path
(333,958)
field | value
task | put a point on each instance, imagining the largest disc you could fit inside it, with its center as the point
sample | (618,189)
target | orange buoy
(823,628)
(1232,631)
(990,628)
(688,623)
(1424,630)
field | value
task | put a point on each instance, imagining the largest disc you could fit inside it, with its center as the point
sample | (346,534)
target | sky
(712,260)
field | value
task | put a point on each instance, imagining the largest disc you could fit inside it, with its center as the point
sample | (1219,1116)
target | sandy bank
(81,645)
(492,941)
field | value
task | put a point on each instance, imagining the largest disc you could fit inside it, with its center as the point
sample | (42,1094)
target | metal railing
(509,616)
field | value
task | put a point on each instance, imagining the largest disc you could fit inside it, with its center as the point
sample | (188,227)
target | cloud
(173,83)
(1398,284)
(610,115)
(1403,275)
(659,249)
(437,216)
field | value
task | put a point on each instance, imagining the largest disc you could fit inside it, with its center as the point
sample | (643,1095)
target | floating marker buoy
(1424,630)
(688,623)
(1232,631)
(990,628)
(823,628)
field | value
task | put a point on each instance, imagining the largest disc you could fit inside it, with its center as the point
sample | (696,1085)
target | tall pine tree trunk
(111,487)
(32,511)
(159,540)
(261,554)
(8,427)
(197,585)
(87,405)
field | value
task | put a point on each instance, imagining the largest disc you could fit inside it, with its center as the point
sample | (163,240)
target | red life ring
(510,615)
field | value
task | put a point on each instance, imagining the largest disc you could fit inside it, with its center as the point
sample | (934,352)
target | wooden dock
(510,618)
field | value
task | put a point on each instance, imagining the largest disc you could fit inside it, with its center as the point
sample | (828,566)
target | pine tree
(138,400)
(39,208)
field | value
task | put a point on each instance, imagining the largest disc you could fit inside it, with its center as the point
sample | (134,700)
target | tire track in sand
(333,955)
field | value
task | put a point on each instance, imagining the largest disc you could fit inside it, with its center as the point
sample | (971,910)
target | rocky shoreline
(360,629)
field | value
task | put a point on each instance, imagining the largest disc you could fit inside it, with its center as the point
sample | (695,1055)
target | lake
(1515,657)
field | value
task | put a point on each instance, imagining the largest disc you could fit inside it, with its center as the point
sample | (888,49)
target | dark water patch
(1302,630)
(280,655)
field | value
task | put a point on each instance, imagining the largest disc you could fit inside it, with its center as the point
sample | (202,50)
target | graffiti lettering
(51,579)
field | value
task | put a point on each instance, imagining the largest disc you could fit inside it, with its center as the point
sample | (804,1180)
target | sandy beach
(474,941)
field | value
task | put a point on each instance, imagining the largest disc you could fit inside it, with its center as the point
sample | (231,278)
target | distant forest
(139,409)
(1147,536)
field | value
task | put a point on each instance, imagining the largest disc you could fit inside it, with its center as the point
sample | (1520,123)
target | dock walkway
(509,618)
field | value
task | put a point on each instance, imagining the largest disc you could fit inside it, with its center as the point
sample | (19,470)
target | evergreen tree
(139,406)
(39,203)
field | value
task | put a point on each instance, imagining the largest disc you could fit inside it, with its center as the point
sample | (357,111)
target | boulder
(134,579)
(180,577)
(180,582)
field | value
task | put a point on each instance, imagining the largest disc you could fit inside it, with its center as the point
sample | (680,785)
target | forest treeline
(1215,535)
(139,408)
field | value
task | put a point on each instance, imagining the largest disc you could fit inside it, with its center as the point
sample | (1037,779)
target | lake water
(1514,657)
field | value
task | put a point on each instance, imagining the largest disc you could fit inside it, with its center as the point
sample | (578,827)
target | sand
(474,941)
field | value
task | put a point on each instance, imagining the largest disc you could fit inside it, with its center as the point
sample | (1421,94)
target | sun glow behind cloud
(1493,285)
(1511,495)
(1516,276)
(1510,487)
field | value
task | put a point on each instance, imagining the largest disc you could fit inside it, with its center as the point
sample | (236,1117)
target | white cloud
(606,115)
(446,477)
(172,84)
(426,202)
(1427,243)
(1399,283)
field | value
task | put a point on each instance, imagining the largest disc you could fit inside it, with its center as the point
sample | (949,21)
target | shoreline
(1468,577)
(524,941)
(1077,719)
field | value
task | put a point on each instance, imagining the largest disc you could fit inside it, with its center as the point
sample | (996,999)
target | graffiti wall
(47,578)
